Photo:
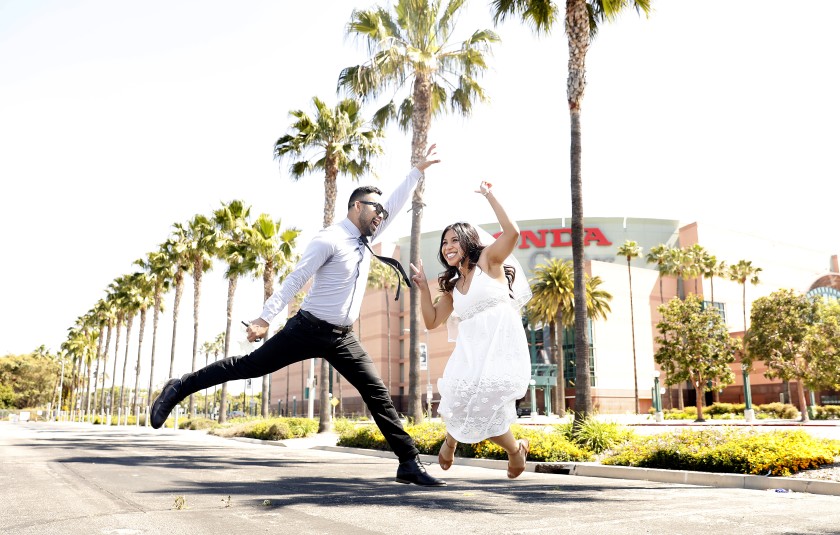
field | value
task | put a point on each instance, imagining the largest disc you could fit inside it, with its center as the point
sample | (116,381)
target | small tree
(791,334)
(695,346)
(824,340)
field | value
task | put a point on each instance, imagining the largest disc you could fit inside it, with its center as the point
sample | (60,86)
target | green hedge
(270,429)
(730,449)
(551,446)
(827,412)
(734,411)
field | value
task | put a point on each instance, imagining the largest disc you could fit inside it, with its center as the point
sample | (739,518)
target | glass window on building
(569,364)
(721,308)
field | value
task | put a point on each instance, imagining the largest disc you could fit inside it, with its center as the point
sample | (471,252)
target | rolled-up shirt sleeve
(314,256)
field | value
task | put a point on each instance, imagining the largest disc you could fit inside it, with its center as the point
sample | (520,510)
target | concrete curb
(686,477)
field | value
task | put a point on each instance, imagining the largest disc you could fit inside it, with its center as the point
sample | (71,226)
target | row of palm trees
(686,263)
(258,248)
(421,73)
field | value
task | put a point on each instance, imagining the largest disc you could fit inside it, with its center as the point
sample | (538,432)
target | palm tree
(219,347)
(175,250)
(335,141)
(658,255)
(552,304)
(382,276)
(272,256)
(711,269)
(744,272)
(91,324)
(80,347)
(131,306)
(206,348)
(581,24)
(120,296)
(695,255)
(411,50)
(105,314)
(202,242)
(159,267)
(631,250)
(232,223)
(144,286)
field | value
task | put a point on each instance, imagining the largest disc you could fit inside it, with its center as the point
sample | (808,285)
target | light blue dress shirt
(338,265)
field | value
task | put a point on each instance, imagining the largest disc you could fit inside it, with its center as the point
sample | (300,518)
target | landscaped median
(723,455)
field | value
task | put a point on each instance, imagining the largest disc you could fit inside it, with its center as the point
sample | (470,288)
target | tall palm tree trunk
(420,123)
(100,405)
(577,32)
(73,386)
(330,192)
(87,388)
(198,271)
(128,323)
(155,318)
(223,396)
(556,332)
(96,374)
(232,282)
(268,291)
(633,338)
(114,375)
(136,403)
(179,290)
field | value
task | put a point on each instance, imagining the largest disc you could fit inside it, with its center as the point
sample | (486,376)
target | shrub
(302,427)
(271,429)
(367,437)
(784,411)
(196,423)
(827,412)
(274,429)
(725,409)
(549,446)
(733,450)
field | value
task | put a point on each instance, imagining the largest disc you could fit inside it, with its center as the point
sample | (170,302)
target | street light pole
(749,413)
(428,374)
(60,388)
(657,397)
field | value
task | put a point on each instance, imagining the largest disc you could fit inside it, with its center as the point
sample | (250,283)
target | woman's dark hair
(471,244)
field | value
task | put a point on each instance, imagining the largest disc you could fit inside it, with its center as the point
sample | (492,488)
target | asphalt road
(65,478)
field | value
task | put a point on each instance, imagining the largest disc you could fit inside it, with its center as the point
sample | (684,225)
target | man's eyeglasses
(378,207)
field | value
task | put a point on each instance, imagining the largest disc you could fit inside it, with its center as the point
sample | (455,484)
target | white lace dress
(490,367)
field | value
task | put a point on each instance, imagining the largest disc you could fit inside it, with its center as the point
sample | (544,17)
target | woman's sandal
(524,448)
(443,461)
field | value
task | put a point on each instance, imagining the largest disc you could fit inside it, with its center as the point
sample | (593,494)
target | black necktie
(395,265)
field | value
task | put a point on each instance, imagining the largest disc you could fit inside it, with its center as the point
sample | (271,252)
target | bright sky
(118,119)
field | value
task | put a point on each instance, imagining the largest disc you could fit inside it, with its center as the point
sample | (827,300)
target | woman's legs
(446,455)
(517,451)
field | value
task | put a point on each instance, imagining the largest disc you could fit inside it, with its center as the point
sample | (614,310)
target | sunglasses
(378,207)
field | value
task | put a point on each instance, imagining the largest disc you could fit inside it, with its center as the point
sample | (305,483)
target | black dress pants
(300,340)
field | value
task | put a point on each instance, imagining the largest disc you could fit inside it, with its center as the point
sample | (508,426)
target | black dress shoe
(164,403)
(412,471)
